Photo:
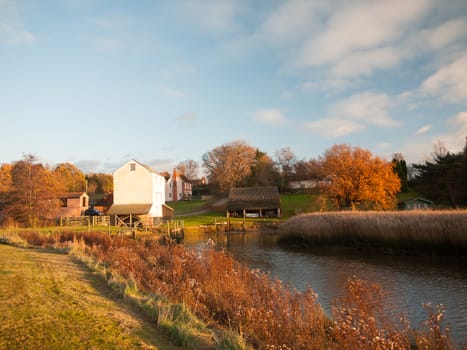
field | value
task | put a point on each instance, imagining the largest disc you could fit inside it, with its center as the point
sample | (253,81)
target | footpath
(49,300)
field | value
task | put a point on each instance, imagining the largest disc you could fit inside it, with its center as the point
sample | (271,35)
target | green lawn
(185,207)
(50,301)
(290,203)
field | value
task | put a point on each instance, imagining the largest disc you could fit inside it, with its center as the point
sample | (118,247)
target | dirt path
(48,300)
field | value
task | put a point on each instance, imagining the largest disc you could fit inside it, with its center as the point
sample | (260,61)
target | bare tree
(285,160)
(229,165)
(189,168)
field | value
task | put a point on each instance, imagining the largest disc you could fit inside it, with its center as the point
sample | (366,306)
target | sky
(99,82)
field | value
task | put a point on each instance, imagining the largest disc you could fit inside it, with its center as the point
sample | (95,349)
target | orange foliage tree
(357,179)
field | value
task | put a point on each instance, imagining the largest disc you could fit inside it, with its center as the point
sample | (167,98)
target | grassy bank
(265,313)
(440,232)
(49,301)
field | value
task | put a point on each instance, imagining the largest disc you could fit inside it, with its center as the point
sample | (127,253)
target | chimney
(174,185)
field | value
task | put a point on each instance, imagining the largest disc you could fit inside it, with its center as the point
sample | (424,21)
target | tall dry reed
(431,231)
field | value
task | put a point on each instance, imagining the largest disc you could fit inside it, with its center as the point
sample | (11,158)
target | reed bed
(265,312)
(419,231)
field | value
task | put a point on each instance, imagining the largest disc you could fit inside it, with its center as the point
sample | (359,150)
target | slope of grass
(186,207)
(48,301)
(292,204)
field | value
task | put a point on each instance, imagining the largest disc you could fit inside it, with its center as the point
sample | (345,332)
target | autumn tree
(229,165)
(5,178)
(69,178)
(357,179)
(99,183)
(33,194)
(189,168)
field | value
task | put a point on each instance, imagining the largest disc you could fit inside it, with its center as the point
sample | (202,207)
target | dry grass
(265,312)
(423,231)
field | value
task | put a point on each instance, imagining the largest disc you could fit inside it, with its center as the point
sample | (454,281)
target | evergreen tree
(400,168)
(443,179)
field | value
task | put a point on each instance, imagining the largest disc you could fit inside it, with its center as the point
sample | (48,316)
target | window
(132,167)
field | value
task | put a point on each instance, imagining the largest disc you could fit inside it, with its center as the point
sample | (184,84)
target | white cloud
(363,63)
(12,29)
(292,21)
(442,35)
(460,123)
(174,93)
(14,34)
(367,107)
(212,15)
(187,118)
(384,146)
(423,130)
(109,44)
(334,127)
(354,114)
(453,139)
(361,26)
(272,117)
(449,82)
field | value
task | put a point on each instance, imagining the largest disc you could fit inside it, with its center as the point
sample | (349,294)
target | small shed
(73,203)
(415,204)
(254,202)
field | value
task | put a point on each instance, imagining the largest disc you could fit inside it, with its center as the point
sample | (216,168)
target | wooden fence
(102,220)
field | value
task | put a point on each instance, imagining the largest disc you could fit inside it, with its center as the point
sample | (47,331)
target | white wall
(132,187)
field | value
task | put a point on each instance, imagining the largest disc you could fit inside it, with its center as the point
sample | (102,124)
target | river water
(408,281)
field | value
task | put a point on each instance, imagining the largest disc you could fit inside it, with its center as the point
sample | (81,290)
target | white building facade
(138,190)
(178,187)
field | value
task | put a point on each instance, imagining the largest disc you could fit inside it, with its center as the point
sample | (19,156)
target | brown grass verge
(265,312)
(439,232)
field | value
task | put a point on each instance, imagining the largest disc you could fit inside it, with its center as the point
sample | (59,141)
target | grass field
(50,301)
(189,211)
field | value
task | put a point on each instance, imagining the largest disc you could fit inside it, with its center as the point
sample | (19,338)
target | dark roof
(253,198)
(72,194)
(412,200)
(125,209)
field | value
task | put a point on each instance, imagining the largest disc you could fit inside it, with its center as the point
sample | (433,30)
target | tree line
(349,177)
(344,177)
(30,191)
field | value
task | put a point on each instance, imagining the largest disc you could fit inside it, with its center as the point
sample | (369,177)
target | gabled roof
(147,167)
(126,209)
(72,194)
(418,199)
(266,197)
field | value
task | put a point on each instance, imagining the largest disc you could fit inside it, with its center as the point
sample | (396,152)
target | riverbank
(420,232)
(266,313)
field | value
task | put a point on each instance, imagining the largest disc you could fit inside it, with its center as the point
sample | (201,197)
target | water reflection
(409,282)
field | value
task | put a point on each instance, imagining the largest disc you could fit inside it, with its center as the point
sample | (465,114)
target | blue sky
(96,82)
